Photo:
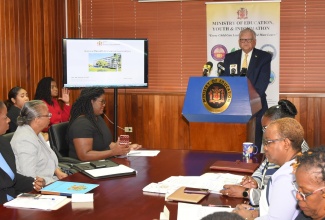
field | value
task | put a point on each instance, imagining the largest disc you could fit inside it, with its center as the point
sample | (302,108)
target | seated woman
(310,184)
(89,137)
(12,183)
(47,91)
(34,157)
(251,186)
(17,97)
(282,141)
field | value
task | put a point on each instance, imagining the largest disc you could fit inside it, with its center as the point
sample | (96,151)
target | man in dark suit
(256,67)
(12,183)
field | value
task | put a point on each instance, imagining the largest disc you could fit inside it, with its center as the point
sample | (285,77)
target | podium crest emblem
(216,95)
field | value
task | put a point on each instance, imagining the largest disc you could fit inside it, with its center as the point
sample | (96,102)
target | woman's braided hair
(83,106)
(313,158)
(43,90)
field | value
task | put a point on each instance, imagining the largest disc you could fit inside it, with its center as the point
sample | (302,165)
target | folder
(65,188)
(235,166)
(180,196)
(103,169)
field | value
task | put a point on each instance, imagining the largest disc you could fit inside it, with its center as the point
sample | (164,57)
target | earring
(323,195)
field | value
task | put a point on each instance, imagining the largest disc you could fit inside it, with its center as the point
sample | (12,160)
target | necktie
(5,167)
(245,61)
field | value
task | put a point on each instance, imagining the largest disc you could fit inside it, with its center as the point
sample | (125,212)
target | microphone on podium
(243,72)
(221,68)
(207,68)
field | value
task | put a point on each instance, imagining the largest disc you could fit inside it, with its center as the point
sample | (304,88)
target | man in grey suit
(255,64)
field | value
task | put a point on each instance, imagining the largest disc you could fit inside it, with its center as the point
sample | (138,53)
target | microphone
(233,69)
(207,68)
(221,68)
(243,72)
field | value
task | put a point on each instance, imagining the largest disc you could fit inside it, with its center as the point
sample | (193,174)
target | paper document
(165,214)
(194,212)
(143,153)
(110,171)
(44,202)
(214,182)
(221,179)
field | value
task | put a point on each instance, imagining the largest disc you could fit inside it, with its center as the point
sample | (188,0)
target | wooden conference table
(123,198)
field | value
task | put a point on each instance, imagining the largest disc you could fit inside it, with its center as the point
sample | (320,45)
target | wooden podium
(227,130)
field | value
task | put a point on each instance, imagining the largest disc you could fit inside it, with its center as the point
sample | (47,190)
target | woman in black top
(89,137)
(17,97)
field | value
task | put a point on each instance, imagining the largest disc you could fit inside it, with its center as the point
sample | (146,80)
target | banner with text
(224,22)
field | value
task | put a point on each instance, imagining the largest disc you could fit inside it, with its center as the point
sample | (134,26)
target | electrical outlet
(128,129)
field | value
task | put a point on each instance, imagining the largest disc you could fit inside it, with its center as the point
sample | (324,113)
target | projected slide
(105,63)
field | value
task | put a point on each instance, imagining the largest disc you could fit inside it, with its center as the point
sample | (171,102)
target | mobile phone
(124,139)
(97,164)
(191,190)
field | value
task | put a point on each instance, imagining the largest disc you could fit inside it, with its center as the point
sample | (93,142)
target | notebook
(103,169)
(236,166)
(180,196)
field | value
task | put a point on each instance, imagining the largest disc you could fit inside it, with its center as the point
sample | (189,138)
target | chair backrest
(8,136)
(58,139)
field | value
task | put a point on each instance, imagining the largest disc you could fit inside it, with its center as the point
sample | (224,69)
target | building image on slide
(104,62)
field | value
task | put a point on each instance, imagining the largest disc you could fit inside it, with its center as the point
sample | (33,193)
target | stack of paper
(143,153)
(44,202)
(195,212)
(212,181)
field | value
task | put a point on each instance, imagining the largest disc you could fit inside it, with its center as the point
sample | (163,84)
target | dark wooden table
(122,198)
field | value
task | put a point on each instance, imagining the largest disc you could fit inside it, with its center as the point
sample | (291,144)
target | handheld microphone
(243,72)
(207,68)
(221,68)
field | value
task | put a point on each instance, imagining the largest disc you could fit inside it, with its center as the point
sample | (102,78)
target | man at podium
(255,64)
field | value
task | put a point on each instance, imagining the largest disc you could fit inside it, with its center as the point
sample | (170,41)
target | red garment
(58,115)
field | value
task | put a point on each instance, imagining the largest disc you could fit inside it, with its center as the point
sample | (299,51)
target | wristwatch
(245,193)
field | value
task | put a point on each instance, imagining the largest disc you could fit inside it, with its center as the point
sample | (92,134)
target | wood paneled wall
(157,119)
(31,33)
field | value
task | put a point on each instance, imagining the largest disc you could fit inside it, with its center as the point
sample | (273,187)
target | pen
(45,198)
(39,197)
(221,206)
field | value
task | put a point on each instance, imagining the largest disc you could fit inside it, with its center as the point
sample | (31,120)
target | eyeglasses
(267,142)
(264,128)
(246,40)
(304,195)
(49,115)
(102,101)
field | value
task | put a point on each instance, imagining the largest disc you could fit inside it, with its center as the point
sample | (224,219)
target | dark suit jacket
(8,186)
(259,70)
